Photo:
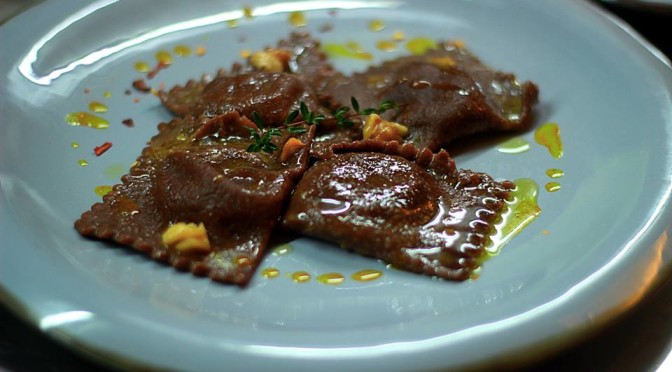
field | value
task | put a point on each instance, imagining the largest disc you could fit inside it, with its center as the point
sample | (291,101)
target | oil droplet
(163,57)
(552,186)
(367,275)
(232,23)
(82,162)
(74,145)
(245,53)
(107,94)
(283,250)
(115,171)
(555,173)
(182,50)
(300,276)
(376,25)
(386,46)
(98,107)
(270,273)
(548,135)
(349,50)
(297,19)
(102,190)
(523,209)
(420,45)
(200,51)
(84,119)
(247,12)
(514,145)
(398,36)
(331,278)
(142,66)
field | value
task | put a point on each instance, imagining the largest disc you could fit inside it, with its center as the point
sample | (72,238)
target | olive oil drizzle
(300,276)
(548,135)
(514,145)
(351,50)
(297,19)
(270,273)
(522,210)
(102,190)
(331,278)
(85,119)
(367,275)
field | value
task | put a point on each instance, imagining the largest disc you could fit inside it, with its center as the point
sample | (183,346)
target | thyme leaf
(262,137)
(291,117)
(355,104)
(256,118)
(263,142)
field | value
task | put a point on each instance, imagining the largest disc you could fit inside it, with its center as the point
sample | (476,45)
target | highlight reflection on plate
(598,245)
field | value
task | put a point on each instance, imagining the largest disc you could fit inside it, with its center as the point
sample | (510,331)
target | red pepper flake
(100,150)
(159,66)
(141,85)
(128,122)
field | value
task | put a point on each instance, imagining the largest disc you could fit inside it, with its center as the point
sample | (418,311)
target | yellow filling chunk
(377,128)
(187,238)
(271,60)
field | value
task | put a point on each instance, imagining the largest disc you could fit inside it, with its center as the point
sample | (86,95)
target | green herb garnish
(342,116)
(262,137)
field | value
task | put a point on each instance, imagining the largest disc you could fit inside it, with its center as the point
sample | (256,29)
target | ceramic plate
(599,244)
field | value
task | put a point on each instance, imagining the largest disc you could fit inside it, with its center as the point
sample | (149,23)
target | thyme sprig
(263,136)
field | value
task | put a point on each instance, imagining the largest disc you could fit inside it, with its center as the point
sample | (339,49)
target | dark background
(639,341)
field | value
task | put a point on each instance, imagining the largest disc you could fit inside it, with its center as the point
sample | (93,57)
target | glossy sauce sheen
(435,221)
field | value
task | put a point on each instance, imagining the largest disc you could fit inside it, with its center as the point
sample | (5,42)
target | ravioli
(410,208)
(199,171)
(242,159)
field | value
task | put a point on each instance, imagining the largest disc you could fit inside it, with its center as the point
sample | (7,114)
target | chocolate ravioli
(198,170)
(443,95)
(404,203)
(410,208)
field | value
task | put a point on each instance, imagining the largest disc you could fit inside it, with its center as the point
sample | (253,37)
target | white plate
(600,243)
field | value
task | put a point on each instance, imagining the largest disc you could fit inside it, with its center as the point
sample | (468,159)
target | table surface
(641,340)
